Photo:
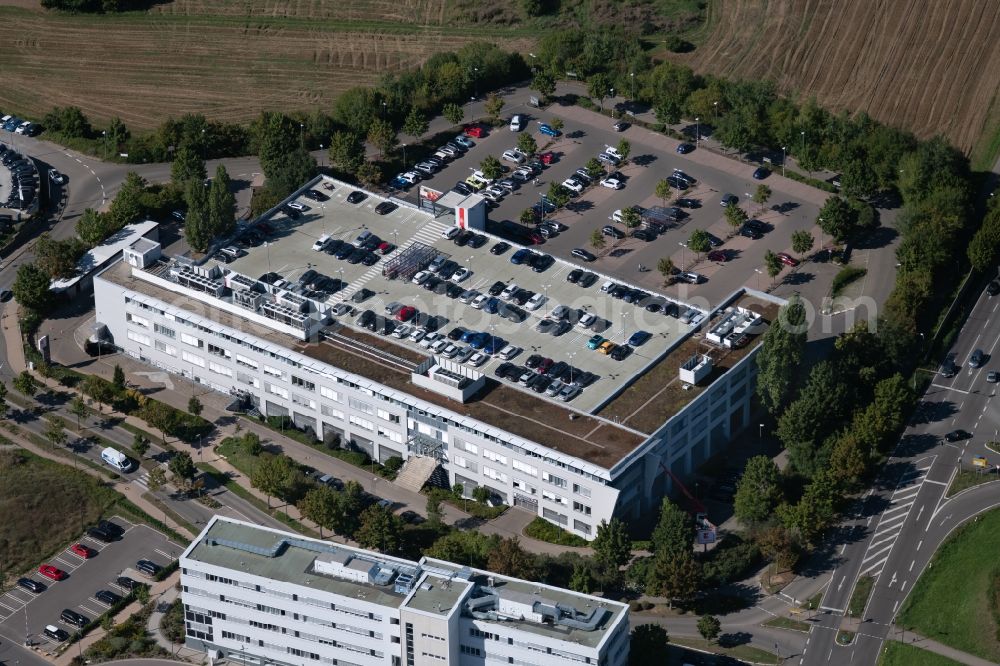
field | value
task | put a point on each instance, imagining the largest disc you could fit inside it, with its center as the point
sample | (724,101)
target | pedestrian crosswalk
(891,522)
(143,480)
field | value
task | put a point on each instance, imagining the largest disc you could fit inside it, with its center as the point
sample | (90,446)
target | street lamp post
(803,133)
(761,431)
(570,357)
(716,106)
(783,161)
(612,103)
(683,255)
(757,271)
(697,130)
(475,82)
(404,155)
(632,77)
(321,156)
(302,135)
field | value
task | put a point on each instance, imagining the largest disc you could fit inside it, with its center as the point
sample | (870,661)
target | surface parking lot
(22,611)
(289,254)
(652,159)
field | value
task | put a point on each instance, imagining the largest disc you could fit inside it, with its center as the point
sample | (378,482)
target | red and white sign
(461,218)
(706,536)
(429,194)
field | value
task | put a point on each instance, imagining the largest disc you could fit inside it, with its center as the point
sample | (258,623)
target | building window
(362,423)
(164,331)
(386,416)
(471,448)
(522,467)
(581,526)
(277,390)
(215,350)
(555,517)
(298,381)
(193,359)
(303,401)
(331,394)
(390,435)
(493,474)
(585,510)
(554,480)
(220,369)
(191,340)
(581,490)
(495,457)
(274,372)
(327,410)
(552,497)
(137,320)
(165,348)
(474,651)
(248,362)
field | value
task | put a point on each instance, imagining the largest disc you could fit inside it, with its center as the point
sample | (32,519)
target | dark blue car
(760,173)
(492,305)
(520,256)
(685,148)
(639,338)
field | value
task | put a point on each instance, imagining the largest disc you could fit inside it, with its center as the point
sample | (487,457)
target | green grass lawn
(34,489)
(859,598)
(968,479)
(745,652)
(901,654)
(787,623)
(951,601)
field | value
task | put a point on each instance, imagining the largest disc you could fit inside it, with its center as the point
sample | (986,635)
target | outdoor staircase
(416,472)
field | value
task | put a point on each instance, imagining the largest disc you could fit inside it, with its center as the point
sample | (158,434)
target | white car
(22,127)
(444,157)
(535,302)
(56,177)
(480,176)
(450,351)
(509,352)
(513,155)
(509,291)
(421,277)
(497,190)
(402,331)
(573,185)
(478,359)
(450,233)
(479,301)
(295,205)
(429,339)
(412,177)
(461,274)
(490,195)
(440,345)
(586,320)
(612,183)
(611,150)
(417,335)
(469,296)
(450,152)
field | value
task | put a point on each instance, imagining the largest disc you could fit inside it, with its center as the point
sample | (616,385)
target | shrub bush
(543,530)
(730,561)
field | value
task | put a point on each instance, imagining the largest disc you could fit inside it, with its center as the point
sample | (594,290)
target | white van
(116,459)
(321,242)
(516,122)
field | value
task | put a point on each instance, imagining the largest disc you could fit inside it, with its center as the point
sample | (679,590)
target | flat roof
(437,595)
(100,254)
(293,564)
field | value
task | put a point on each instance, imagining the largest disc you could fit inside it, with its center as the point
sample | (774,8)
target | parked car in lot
(83,551)
(685,148)
(548,130)
(612,183)
(70,616)
(55,633)
(127,583)
(356,197)
(148,568)
(108,597)
(611,231)
(583,254)
(474,131)
(49,571)
(728,200)
(787,259)
(760,173)
(31,585)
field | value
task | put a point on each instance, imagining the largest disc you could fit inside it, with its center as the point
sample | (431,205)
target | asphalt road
(904,519)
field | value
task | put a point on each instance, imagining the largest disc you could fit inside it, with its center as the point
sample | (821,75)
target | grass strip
(787,623)
(967,479)
(744,652)
(902,654)
(859,598)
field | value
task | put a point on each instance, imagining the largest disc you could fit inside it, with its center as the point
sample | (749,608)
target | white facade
(266,596)
(237,352)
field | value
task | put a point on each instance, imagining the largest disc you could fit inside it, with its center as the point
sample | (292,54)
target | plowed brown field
(226,59)
(932,66)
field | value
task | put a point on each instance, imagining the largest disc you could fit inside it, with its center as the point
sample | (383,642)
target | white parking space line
(164,553)
(68,564)
(90,610)
(12,610)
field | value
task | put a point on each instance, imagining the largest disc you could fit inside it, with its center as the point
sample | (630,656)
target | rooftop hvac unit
(293,301)
(251,300)
(284,315)
(238,282)
(201,283)
(211,271)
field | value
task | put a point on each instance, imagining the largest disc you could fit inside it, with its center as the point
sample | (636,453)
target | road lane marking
(920,544)
(832,610)
(940,483)
(911,564)
(874,566)
(919,513)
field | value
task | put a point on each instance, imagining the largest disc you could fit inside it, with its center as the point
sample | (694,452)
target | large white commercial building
(265,597)
(258,330)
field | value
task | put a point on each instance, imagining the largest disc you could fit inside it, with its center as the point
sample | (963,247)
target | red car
(718,255)
(547,158)
(475,131)
(52,572)
(788,259)
(406,313)
(536,238)
(386,248)
(83,551)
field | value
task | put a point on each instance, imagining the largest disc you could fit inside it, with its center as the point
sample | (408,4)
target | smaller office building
(269,597)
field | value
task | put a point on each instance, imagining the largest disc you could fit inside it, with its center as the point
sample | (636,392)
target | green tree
(369,174)
(187,166)
(802,242)
(350,504)
(761,195)
(221,205)
(320,506)
(673,575)
(99,389)
(814,512)
(837,218)
(758,492)
(624,149)
(699,241)
(270,475)
(347,152)
(709,627)
(295,170)
(663,191)
(674,531)
(527,217)
(118,378)
(415,124)
(491,167)
(557,124)
(772,263)
(57,257)
(31,288)
(481,494)
(599,87)
(666,267)
(273,136)
(558,195)
(93,227)
(582,579)
(735,216)
(379,529)
(26,383)
(647,645)
(509,559)
(780,356)
(140,445)
(630,218)
(157,479)
(160,416)
(433,509)
(454,113)
(194,406)
(78,408)
(69,121)
(182,467)
(493,106)
(55,431)
(819,410)
(527,144)
(597,239)
(594,167)
(117,133)
(4,407)
(197,221)
(127,207)
(612,545)
(382,135)
(543,83)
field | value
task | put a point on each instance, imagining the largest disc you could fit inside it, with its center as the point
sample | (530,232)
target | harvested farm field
(215,58)
(930,66)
